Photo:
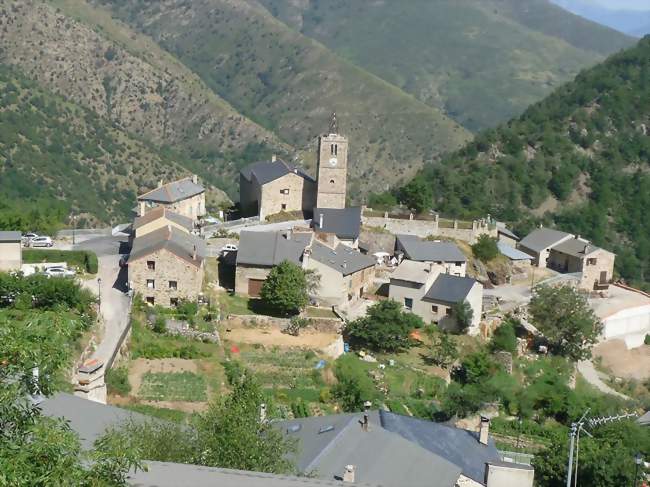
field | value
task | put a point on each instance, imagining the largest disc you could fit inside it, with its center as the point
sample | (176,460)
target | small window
(408,303)
(151,265)
(592,261)
(458,264)
(284,191)
(151,300)
(151,284)
(173,285)
(331,181)
(173,301)
(448,311)
(284,206)
(434,309)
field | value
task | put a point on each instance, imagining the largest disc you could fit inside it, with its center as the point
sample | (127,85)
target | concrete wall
(244,273)
(169,267)
(504,476)
(155,225)
(425,228)
(301,195)
(11,256)
(630,325)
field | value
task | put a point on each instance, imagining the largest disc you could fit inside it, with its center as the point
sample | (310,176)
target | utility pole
(575,431)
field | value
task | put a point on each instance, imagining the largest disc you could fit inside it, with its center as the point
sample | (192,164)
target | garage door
(254,287)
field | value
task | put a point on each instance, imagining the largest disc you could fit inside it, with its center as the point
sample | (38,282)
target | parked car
(228,248)
(59,272)
(26,238)
(210,220)
(41,242)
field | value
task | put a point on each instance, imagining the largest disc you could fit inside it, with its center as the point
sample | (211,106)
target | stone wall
(244,273)
(300,196)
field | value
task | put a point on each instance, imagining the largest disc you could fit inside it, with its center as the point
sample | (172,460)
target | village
(182,297)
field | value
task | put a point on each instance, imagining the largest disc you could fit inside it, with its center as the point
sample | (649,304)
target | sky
(622,4)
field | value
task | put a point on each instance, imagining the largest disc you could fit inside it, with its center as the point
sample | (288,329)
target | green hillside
(481,62)
(58,155)
(578,160)
(290,84)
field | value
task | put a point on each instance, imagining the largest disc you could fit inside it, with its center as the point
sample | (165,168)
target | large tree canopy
(285,288)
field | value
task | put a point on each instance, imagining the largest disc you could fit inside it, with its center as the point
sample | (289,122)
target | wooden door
(255,287)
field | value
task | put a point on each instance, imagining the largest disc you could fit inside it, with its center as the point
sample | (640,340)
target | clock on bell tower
(332,168)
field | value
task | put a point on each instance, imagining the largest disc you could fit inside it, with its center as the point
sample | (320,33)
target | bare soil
(628,364)
(272,336)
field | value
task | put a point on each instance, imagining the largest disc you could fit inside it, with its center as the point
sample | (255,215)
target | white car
(228,248)
(59,272)
(41,242)
(28,238)
(210,220)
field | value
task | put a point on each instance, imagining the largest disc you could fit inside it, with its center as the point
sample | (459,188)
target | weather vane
(334,126)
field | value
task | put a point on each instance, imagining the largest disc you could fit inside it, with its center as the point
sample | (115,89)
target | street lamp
(638,460)
(74,228)
(99,286)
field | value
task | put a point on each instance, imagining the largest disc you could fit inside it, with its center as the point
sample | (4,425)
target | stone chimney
(348,474)
(195,179)
(160,183)
(274,158)
(484,431)
(194,253)
(143,208)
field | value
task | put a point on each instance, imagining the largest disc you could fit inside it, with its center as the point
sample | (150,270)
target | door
(603,277)
(255,287)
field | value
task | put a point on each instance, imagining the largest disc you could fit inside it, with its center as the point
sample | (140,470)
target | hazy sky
(622,4)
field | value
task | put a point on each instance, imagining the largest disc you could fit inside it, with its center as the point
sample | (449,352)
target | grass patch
(147,344)
(320,313)
(81,259)
(117,381)
(173,386)
(234,304)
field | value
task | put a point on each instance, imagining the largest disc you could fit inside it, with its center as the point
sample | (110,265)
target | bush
(647,339)
(235,370)
(117,381)
(505,338)
(325,395)
(81,259)
(354,385)
(285,289)
(159,324)
(300,409)
(485,248)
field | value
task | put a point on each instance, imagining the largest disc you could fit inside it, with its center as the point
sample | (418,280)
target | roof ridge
(329,446)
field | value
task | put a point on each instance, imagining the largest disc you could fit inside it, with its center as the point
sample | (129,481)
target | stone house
(11,251)
(185,197)
(344,223)
(429,292)
(166,266)
(506,236)
(539,242)
(160,217)
(345,273)
(445,254)
(270,187)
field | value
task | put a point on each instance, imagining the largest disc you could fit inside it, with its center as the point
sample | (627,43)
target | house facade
(409,283)
(445,254)
(185,197)
(166,266)
(160,217)
(11,251)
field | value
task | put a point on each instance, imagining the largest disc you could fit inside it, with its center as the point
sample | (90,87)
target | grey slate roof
(267,171)
(10,236)
(88,419)
(575,248)
(456,445)
(172,239)
(507,233)
(267,249)
(160,212)
(512,253)
(173,192)
(379,456)
(343,259)
(344,223)
(167,474)
(449,289)
(543,238)
(427,251)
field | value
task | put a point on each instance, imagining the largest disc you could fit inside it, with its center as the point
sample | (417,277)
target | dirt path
(588,371)
(629,364)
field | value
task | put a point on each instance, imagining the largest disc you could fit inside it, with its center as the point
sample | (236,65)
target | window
(151,265)
(458,264)
(151,300)
(592,261)
(331,181)
(284,191)
(173,285)
(434,309)
(448,311)
(173,301)
(408,303)
(284,206)
(334,149)
(151,284)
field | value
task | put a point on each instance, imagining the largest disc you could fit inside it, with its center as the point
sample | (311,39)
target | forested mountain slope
(81,53)
(290,84)
(54,150)
(480,61)
(579,160)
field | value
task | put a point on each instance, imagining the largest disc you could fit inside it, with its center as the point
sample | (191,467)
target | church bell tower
(332,168)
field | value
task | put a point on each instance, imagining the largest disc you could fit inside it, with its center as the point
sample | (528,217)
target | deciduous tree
(285,288)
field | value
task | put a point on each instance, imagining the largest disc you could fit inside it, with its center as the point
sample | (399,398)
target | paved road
(114,306)
(589,372)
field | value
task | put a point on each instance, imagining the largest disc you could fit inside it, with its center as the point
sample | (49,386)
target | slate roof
(343,259)
(88,419)
(412,271)
(512,253)
(379,456)
(508,233)
(267,249)
(173,192)
(178,242)
(428,251)
(267,171)
(160,212)
(575,247)
(459,446)
(10,236)
(344,223)
(449,289)
(543,238)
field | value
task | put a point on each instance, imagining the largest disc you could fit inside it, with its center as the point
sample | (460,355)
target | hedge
(82,259)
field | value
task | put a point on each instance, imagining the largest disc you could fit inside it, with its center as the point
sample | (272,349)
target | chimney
(348,474)
(194,253)
(274,158)
(195,179)
(430,270)
(143,208)
(160,183)
(320,221)
(484,431)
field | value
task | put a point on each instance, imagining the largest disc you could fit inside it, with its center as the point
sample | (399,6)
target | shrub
(354,385)
(325,395)
(117,381)
(504,338)
(485,248)
(300,409)
(82,259)
(285,289)
(160,324)
(235,370)
(647,339)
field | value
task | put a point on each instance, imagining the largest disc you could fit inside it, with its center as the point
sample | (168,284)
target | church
(270,187)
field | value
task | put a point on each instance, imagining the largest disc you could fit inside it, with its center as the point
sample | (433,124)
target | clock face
(333,161)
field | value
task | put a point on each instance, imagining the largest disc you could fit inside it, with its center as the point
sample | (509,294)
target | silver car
(41,242)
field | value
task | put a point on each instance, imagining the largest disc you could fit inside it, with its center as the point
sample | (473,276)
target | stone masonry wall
(300,197)
(425,228)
